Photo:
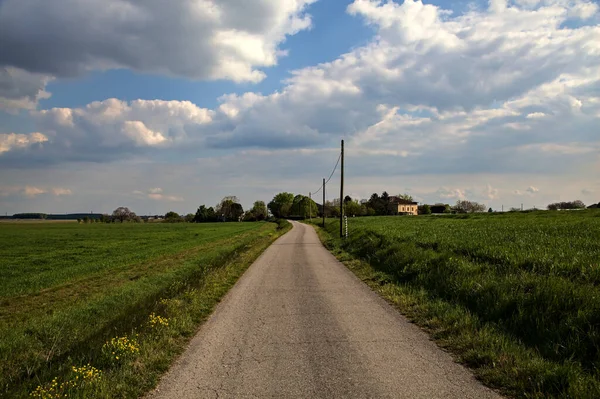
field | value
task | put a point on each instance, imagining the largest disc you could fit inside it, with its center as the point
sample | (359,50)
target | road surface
(299,324)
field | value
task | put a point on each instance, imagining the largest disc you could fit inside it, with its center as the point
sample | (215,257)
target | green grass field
(68,289)
(516,296)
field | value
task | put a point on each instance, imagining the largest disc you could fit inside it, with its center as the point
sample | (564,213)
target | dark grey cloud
(20,89)
(203,40)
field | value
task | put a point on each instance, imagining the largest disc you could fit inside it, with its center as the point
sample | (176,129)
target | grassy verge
(128,329)
(523,314)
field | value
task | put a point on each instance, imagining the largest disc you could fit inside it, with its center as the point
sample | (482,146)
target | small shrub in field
(156,321)
(119,349)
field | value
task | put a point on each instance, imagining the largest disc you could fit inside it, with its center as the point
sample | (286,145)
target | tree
(236,212)
(490,210)
(347,199)
(353,208)
(331,209)
(281,204)
(189,218)
(424,209)
(303,207)
(230,209)
(173,217)
(205,215)
(405,197)
(257,213)
(464,206)
(123,214)
(566,205)
(260,211)
(376,203)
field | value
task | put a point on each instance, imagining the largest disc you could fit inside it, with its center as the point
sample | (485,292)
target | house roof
(400,201)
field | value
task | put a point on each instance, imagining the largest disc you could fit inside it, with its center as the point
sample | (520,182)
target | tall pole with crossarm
(342,193)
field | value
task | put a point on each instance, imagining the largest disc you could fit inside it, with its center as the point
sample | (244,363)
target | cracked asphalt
(299,324)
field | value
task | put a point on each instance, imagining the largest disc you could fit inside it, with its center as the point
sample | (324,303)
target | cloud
(61,191)
(104,130)
(490,193)
(20,89)
(32,191)
(161,197)
(534,115)
(473,84)
(12,141)
(156,194)
(22,191)
(206,39)
(141,135)
(532,190)
(502,92)
(451,193)
(588,191)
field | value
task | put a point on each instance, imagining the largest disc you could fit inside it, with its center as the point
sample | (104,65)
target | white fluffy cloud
(157,195)
(12,140)
(109,128)
(199,39)
(32,191)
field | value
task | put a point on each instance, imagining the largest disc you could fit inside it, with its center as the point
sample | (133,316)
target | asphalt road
(299,324)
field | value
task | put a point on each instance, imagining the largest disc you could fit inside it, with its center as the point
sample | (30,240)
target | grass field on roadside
(68,289)
(515,296)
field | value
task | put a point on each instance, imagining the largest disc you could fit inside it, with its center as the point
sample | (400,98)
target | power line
(332,172)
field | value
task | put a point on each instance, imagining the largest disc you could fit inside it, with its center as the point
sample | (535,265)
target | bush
(424,210)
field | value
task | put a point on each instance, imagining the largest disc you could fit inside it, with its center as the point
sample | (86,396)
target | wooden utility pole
(310,206)
(342,194)
(323,202)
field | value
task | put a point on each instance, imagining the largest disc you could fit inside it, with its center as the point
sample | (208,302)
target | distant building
(405,207)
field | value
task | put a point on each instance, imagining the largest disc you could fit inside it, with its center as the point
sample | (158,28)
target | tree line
(288,205)
(228,209)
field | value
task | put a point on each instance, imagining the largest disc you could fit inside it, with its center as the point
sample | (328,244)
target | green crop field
(67,289)
(516,296)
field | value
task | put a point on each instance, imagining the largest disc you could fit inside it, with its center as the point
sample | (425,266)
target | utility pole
(310,206)
(342,194)
(323,202)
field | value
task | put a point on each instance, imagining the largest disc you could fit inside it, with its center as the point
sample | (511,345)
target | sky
(163,106)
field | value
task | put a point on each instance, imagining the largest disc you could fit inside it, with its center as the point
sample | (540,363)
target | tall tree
(259,210)
(230,209)
(123,214)
(303,207)
(205,215)
(281,204)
